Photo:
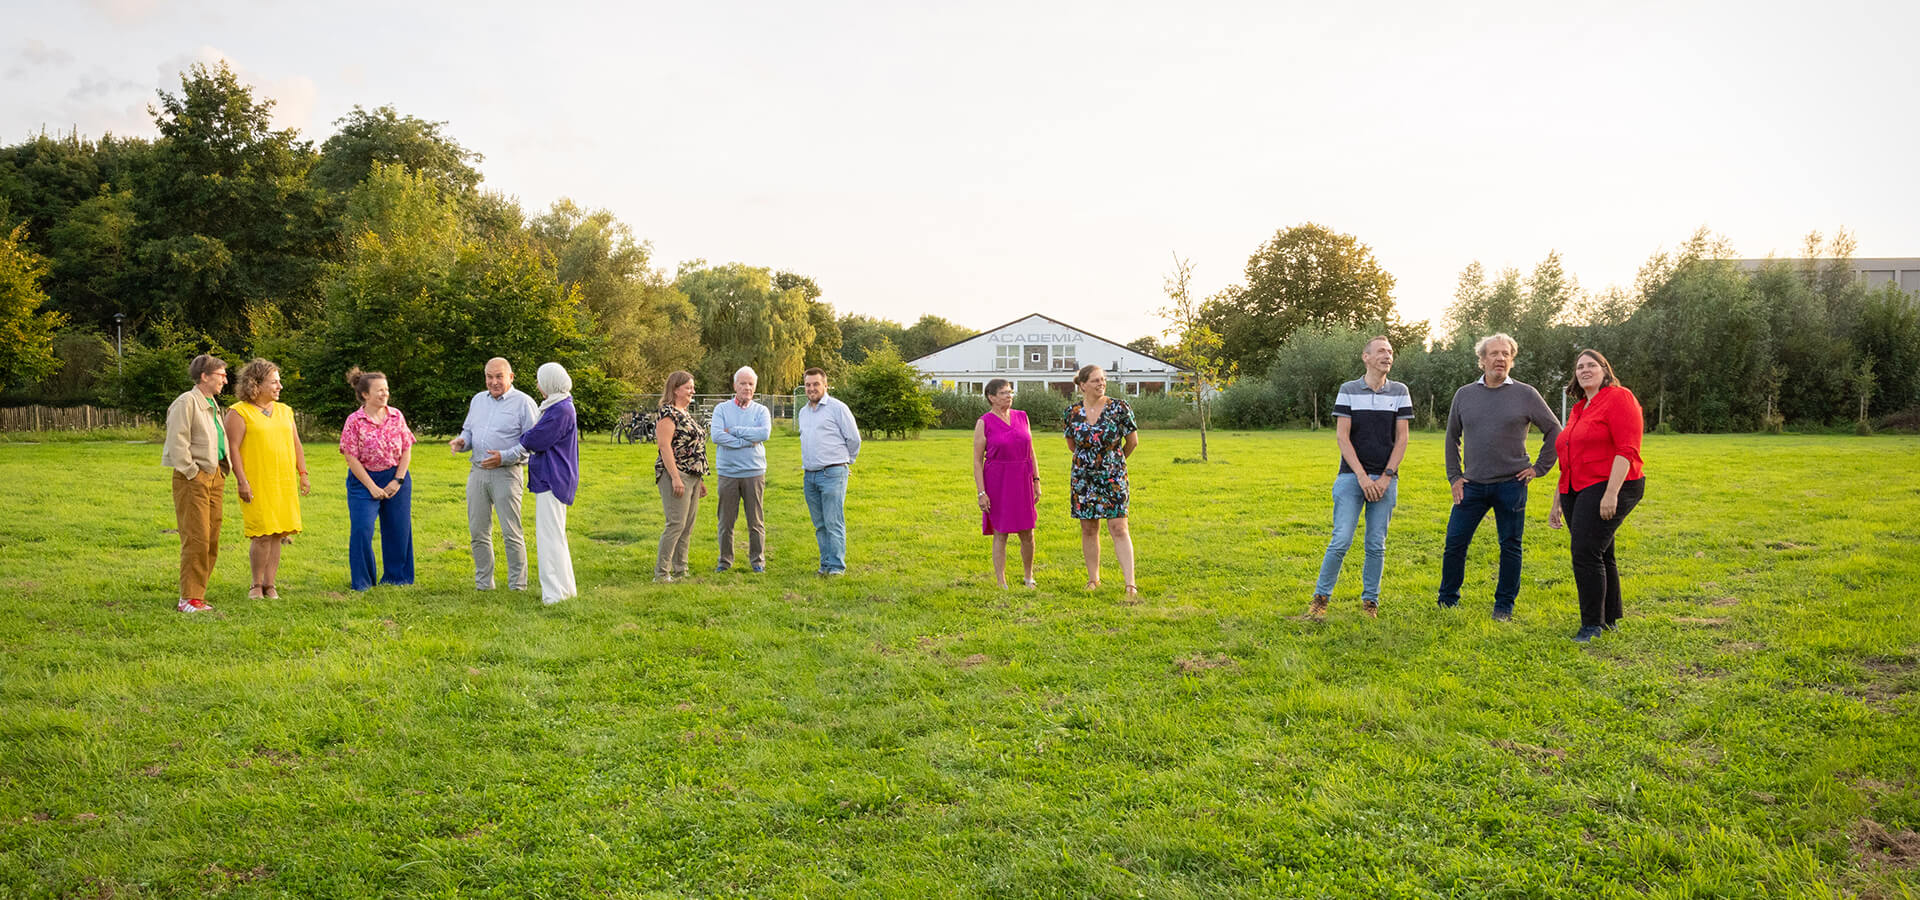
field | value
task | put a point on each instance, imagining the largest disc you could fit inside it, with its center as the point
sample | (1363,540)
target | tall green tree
(1305,275)
(1318,359)
(227,218)
(824,352)
(74,195)
(931,333)
(649,327)
(861,335)
(1533,310)
(382,135)
(422,299)
(26,331)
(747,320)
(1195,344)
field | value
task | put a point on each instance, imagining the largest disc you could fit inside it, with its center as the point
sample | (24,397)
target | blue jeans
(395,515)
(826,491)
(1508,500)
(1348,501)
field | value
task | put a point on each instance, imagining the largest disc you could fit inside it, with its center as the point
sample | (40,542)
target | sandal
(271,592)
(1093,584)
(255,593)
(1133,591)
(1031,583)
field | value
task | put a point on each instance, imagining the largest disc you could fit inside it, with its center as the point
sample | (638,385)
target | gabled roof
(1176,366)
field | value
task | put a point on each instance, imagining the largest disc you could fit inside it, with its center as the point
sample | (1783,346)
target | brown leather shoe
(1371,608)
(1318,609)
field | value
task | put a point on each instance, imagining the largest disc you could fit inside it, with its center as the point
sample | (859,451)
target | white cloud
(38,53)
(98,85)
(125,12)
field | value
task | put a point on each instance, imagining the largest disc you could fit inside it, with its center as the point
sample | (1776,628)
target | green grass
(911,730)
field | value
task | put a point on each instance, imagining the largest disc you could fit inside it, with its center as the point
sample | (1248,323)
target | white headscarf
(554,382)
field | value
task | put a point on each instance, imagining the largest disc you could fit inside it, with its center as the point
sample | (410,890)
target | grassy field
(1753,730)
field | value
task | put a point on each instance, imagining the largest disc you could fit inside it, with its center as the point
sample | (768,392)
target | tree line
(376,248)
(1707,344)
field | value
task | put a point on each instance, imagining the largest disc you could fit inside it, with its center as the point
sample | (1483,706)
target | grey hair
(1480,349)
(746,370)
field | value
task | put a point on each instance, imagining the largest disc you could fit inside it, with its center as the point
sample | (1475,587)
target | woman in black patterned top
(1101,435)
(683,456)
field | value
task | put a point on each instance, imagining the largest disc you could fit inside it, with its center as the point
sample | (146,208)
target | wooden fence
(72,418)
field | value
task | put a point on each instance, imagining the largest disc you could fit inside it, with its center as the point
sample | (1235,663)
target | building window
(1006,356)
(1063,360)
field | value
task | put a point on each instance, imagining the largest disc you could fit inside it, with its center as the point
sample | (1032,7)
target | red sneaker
(198,605)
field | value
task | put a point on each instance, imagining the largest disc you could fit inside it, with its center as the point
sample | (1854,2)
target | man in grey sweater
(1492,415)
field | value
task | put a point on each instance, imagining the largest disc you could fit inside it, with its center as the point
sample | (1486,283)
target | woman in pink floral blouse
(379,449)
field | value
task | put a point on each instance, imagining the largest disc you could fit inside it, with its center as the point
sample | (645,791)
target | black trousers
(1594,574)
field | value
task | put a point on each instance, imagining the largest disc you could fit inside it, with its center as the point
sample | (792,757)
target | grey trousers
(734,493)
(491,494)
(676,538)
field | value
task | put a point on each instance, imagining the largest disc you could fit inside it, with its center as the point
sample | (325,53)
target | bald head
(499,376)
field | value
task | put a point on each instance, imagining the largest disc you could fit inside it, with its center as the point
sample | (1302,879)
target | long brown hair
(674,381)
(1606,369)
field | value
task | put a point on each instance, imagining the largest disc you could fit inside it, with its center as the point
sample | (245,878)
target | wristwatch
(1390,473)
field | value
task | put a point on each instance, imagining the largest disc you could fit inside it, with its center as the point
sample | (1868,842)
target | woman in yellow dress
(268,463)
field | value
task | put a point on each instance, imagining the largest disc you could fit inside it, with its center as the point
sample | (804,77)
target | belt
(828,466)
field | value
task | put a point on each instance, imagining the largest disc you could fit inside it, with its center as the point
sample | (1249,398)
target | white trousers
(550,537)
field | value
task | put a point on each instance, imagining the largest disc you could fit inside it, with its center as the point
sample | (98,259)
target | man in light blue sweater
(740,426)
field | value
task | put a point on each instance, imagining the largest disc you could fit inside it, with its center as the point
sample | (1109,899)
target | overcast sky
(991,159)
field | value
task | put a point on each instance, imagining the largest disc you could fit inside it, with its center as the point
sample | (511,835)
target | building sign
(1009,337)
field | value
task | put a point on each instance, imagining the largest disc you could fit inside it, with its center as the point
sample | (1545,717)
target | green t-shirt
(219,430)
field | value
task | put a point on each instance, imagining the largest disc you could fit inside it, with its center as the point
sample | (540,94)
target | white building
(1874,270)
(1038,352)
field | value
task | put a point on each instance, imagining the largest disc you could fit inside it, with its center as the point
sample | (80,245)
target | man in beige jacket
(196,451)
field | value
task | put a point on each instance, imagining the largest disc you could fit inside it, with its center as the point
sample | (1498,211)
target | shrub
(1044,408)
(886,396)
(154,371)
(597,399)
(82,355)
(1164,411)
(1251,403)
(957,409)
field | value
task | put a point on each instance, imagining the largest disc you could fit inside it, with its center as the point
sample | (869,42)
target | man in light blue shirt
(739,428)
(829,446)
(495,420)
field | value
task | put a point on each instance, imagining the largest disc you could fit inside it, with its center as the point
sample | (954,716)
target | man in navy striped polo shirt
(1371,419)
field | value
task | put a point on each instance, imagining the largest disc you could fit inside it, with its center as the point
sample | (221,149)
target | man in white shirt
(829,446)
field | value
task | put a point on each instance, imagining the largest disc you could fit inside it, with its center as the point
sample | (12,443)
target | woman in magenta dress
(1007,477)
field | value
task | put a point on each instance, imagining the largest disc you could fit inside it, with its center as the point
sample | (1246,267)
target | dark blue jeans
(1508,500)
(395,516)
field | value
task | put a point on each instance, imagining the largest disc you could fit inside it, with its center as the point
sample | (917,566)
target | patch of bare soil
(1196,663)
(1874,842)
(1531,751)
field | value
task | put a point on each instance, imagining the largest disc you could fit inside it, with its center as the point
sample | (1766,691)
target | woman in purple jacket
(553,475)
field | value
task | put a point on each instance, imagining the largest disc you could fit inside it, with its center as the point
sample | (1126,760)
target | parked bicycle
(636,426)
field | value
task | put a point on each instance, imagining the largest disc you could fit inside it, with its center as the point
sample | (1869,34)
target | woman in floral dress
(1101,434)
(683,457)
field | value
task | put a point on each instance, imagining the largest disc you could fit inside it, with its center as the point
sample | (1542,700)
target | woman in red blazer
(1600,482)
